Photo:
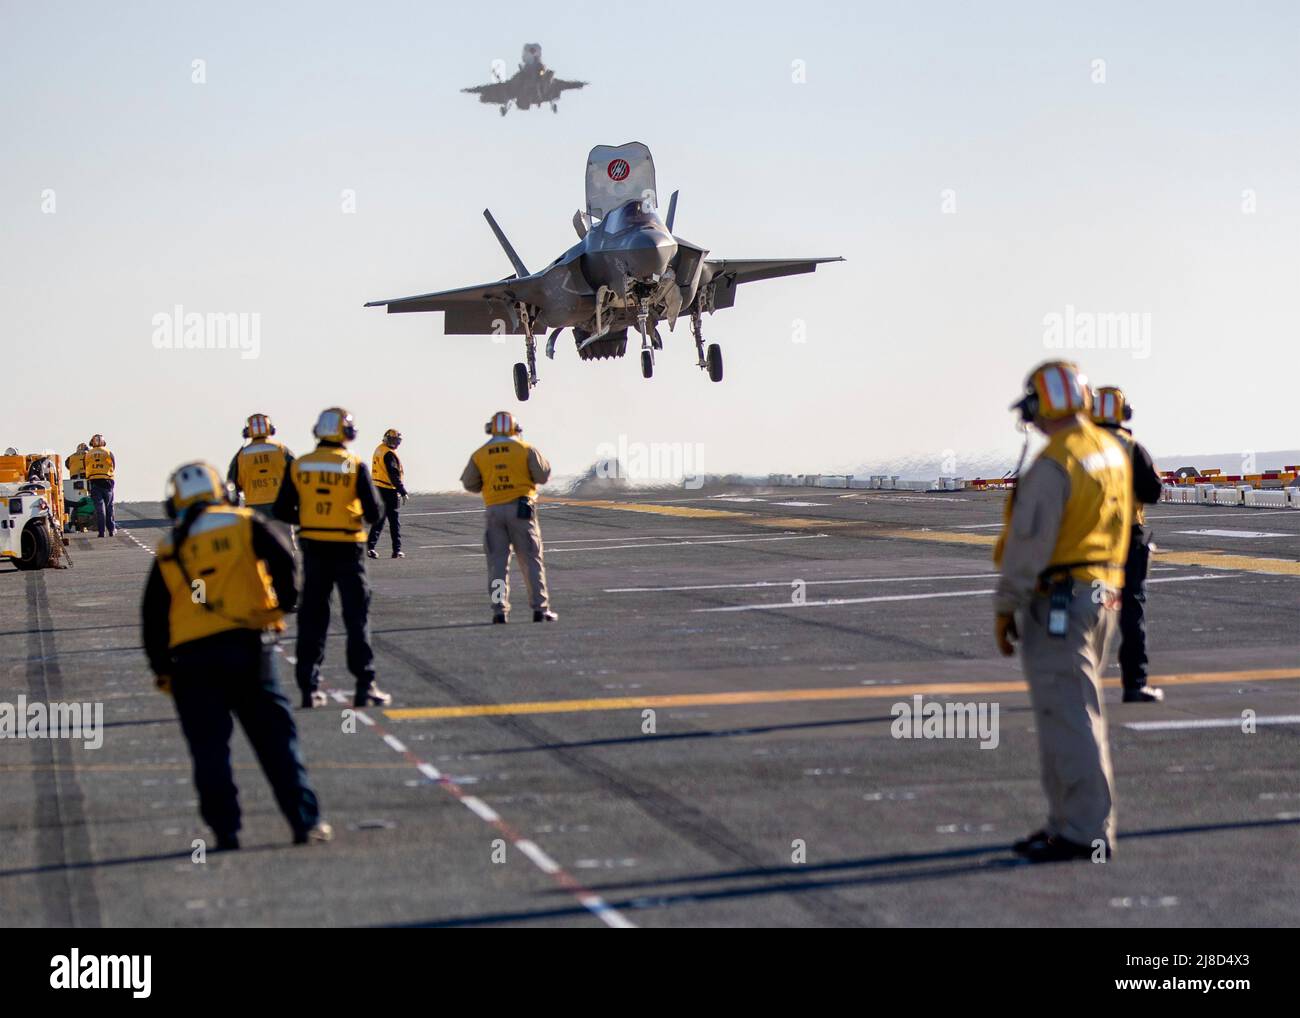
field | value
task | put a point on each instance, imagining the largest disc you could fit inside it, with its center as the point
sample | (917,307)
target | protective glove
(404,498)
(1006,634)
(163,683)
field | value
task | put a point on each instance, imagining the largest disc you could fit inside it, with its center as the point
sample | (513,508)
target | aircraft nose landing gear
(647,350)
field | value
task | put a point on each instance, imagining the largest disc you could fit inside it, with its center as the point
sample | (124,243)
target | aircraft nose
(648,252)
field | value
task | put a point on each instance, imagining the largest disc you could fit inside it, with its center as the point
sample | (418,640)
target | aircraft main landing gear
(526,374)
(710,361)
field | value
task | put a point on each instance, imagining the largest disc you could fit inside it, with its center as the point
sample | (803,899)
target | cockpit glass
(629,215)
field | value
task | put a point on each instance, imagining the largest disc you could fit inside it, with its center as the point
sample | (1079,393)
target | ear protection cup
(272,429)
(245,432)
(1028,407)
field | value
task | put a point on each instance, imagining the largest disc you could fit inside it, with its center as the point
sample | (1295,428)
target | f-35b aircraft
(534,84)
(628,270)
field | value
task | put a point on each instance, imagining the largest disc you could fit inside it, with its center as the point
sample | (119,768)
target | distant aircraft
(627,269)
(532,85)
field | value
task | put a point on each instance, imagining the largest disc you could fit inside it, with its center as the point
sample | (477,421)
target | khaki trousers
(506,532)
(1064,676)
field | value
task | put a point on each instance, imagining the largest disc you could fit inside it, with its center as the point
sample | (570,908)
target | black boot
(371,696)
(1144,694)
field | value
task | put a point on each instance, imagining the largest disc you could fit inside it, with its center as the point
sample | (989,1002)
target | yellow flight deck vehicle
(31,510)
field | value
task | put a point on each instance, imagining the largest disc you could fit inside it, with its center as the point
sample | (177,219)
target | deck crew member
(213,606)
(507,471)
(76,462)
(101,465)
(329,496)
(386,470)
(257,469)
(1061,554)
(1111,410)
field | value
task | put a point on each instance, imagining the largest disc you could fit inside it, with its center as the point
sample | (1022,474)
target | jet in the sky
(628,270)
(534,84)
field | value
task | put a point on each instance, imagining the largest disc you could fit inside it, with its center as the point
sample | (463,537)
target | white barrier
(1272,499)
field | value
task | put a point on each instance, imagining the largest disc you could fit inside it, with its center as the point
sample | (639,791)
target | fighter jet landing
(534,84)
(628,270)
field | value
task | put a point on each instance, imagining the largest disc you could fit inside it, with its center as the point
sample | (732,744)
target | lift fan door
(618,173)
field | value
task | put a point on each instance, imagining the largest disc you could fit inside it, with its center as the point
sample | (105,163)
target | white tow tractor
(31,511)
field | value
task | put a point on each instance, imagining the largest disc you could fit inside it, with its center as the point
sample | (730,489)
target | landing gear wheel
(647,364)
(715,362)
(503,111)
(555,108)
(521,382)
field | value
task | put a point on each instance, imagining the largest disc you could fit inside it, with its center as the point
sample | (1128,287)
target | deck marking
(692,544)
(761,696)
(1232,533)
(1169,726)
(809,583)
(593,903)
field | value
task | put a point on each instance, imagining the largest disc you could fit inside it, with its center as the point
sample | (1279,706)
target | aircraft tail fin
(521,270)
(672,212)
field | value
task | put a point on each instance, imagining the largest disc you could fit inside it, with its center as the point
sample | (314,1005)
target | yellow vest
(223,585)
(76,464)
(329,508)
(259,468)
(1094,533)
(99,465)
(503,465)
(379,471)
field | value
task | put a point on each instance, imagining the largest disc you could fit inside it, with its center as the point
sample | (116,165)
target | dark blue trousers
(326,565)
(232,675)
(101,493)
(392,513)
(1132,612)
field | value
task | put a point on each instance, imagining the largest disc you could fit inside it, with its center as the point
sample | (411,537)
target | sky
(1002,179)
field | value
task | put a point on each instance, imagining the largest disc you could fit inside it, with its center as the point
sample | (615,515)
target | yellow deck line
(1208,558)
(1213,559)
(645,507)
(755,696)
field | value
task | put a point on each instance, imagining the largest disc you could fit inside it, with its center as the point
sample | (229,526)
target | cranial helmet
(1053,391)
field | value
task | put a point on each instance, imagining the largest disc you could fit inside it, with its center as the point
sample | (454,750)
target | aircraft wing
(751,270)
(724,275)
(497,92)
(488,308)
